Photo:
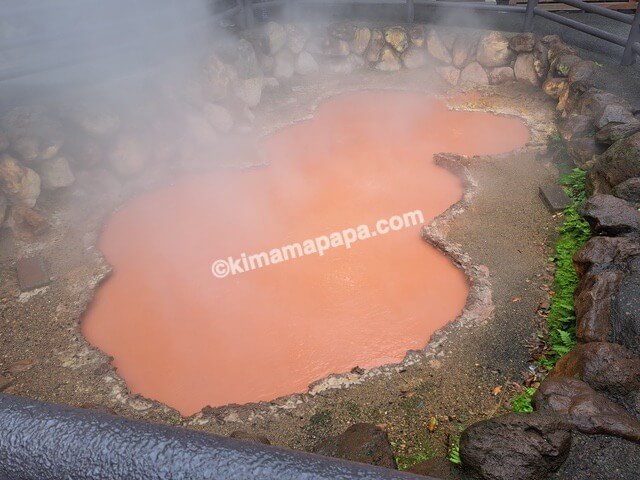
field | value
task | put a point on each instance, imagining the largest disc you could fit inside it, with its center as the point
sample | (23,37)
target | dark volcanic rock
(596,101)
(609,215)
(600,457)
(629,190)
(587,411)
(540,59)
(601,252)
(584,150)
(516,446)
(362,442)
(607,367)
(625,309)
(593,300)
(563,63)
(582,71)
(523,42)
(613,132)
(574,126)
(250,437)
(619,163)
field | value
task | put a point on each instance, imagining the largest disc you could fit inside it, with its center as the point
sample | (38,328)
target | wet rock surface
(364,443)
(609,215)
(620,162)
(606,367)
(516,446)
(585,409)
(629,190)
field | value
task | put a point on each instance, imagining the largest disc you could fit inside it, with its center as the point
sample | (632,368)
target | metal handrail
(42,441)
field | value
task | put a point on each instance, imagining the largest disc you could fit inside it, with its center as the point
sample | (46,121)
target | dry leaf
(497,390)
(433,424)
(517,299)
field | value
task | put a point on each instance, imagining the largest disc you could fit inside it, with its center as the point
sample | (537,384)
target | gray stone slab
(32,273)
(555,197)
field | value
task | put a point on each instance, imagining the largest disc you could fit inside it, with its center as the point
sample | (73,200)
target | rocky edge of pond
(594,389)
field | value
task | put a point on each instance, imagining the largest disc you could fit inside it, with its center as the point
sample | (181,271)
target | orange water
(184,337)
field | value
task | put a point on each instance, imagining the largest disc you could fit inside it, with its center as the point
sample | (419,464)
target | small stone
(555,197)
(334,47)
(56,173)
(389,61)
(372,55)
(540,60)
(32,273)
(416,35)
(414,58)
(563,63)
(363,442)
(582,71)
(306,64)
(249,91)
(493,50)
(397,37)
(276,37)
(219,117)
(500,75)
(296,37)
(525,70)
(450,74)
(285,64)
(360,42)
(554,86)
(462,51)
(437,49)
(523,43)
(474,74)
(26,222)
(19,183)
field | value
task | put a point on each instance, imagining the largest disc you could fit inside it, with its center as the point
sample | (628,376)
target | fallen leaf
(517,299)
(497,390)
(433,424)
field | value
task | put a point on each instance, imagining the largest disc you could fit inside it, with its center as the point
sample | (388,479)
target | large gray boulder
(493,50)
(56,173)
(516,446)
(620,162)
(474,74)
(20,184)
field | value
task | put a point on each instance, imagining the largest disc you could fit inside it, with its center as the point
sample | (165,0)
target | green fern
(522,403)
(573,234)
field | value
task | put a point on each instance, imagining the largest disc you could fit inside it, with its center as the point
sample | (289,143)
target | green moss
(421,453)
(573,234)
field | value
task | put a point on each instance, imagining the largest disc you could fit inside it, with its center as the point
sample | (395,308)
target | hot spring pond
(181,335)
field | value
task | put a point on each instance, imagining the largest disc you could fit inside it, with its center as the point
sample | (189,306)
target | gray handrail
(42,441)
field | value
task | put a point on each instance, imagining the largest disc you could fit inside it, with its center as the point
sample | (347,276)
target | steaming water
(188,339)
